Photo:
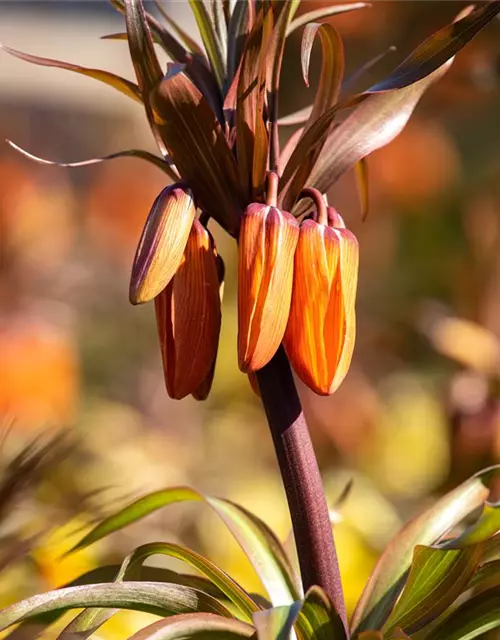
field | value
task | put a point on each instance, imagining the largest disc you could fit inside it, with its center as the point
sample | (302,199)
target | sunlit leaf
(324,12)
(197,625)
(126,87)
(258,542)
(486,526)
(318,619)
(152,597)
(238,30)
(381,113)
(472,619)
(251,134)
(288,149)
(427,528)
(439,48)
(367,66)
(276,623)
(129,153)
(437,577)
(275,61)
(297,117)
(197,146)
(361,169)
(206,27)
(190,43)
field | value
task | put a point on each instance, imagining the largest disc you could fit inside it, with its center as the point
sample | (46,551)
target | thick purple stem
(304,489)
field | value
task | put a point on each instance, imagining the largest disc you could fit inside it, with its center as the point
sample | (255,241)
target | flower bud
(203,390)
(188,315)
(267,242)
(162,243)
(319,338)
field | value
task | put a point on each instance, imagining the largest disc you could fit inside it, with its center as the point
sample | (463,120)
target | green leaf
(215,51)
(190,43)
(318,619)
(126,87)
(198,147)
(276,623)
(195,625)
(427,528)
(324,12)
(152,597)
(485,527)
(258,542)
(361,169)
(134,153)
(437,578)
(472,619)
(91,619)
(231,589)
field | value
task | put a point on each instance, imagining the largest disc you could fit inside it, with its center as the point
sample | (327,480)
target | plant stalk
(302,480)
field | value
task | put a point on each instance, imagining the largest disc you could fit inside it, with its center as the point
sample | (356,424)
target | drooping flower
(267,242)
(162,243)
(188,315)
(319,338)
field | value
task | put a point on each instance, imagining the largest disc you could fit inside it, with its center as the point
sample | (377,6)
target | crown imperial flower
(188,315)
(319,338)
(162,243)
(267,242)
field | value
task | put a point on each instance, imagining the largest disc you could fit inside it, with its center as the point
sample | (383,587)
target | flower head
(215,117)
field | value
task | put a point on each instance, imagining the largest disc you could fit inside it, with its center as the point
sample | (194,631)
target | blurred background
(85,422)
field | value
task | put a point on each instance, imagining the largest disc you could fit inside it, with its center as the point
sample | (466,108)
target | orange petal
(320,335)
(267,242)
(188,313)
(162,243)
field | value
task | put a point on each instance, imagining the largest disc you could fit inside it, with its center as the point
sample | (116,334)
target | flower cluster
(215,117)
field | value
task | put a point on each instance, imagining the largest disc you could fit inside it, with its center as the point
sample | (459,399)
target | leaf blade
(186,626)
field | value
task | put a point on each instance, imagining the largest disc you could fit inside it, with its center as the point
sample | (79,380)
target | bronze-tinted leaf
(126,87)
(324,12)
(162,244)
(162,164)
(190,43)
(267,242)
(198,148)
(208,32)
(251,133)
(188,315)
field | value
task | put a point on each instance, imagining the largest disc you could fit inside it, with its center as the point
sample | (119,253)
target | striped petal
(267,242)
(162,243)
(188,315)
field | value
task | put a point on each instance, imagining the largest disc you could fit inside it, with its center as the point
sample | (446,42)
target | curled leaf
(324,12)
(204,626)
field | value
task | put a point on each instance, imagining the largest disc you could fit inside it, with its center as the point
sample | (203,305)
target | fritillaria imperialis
(214,113)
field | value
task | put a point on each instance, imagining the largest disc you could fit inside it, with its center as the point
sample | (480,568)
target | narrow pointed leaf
(297,117)
(134,153)
(437,578)
(152,597)
(439,48)
(361,169)
(324,12)
(288,149)
(198,148)
(276,53)
(199,626)
(256,539)
(126,87)
(251,133)
(486,526)
(383,112)
(238,30)
(211,42)
(474,618)
(190,43)
(276,623)
(387,579)
(359,73)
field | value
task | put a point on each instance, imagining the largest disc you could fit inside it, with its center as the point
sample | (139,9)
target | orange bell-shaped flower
(320,335)
(188,315)
(267,241)
(162,243)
